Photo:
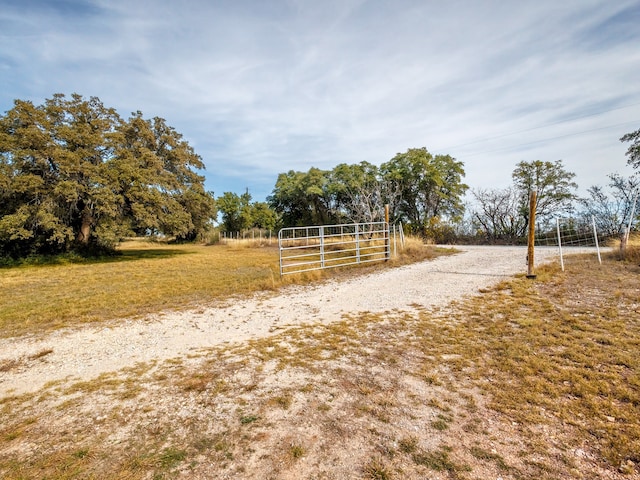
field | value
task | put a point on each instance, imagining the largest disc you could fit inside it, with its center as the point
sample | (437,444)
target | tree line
(75,176)
(501,215)
(416,185)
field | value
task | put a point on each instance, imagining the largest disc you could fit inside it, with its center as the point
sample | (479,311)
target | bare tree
(498,214)
(611,213)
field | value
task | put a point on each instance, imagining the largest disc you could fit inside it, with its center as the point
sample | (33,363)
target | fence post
(532,234)
(387,240)
(357,243)
(595,235)
(321,231)
(559,243)
(395,245)
(280,252)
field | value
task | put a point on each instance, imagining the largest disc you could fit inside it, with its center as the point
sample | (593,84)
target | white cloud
(259,88)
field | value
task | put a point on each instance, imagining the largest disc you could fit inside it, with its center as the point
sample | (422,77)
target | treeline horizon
(77,177)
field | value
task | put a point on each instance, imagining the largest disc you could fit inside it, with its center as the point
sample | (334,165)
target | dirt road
(82,354)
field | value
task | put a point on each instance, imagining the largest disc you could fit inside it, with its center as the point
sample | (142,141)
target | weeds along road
(84,353)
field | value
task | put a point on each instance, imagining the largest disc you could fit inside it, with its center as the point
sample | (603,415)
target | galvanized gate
(303,249)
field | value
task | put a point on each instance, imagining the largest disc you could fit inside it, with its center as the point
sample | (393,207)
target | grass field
(529,380)
(146,277)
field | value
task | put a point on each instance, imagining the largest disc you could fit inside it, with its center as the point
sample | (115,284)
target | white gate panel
(303,249)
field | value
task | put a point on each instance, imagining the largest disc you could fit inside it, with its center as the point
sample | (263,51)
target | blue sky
(262,87)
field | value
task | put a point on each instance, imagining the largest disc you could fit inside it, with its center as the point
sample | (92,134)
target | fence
(254,234)
(304,249)
(569,233)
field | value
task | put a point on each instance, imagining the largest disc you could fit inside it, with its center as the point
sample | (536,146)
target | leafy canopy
(239,213)
(554,184)
(417,186)
(75,176)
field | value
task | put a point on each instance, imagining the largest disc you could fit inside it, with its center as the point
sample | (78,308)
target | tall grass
(631,252)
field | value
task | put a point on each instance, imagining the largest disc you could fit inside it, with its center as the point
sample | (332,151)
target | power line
(635,122)
(538,127)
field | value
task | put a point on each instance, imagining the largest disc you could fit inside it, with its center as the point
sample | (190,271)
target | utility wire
(538,127)
(635,122)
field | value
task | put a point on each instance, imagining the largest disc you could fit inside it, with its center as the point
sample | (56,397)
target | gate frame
(317,245)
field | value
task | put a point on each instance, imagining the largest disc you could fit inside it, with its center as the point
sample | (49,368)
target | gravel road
(84,353)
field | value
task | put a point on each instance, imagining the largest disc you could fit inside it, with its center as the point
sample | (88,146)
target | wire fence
(573,232)
(254,234)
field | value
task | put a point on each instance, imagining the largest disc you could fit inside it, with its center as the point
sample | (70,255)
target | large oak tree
(75,176)
(430,187)
(554,186)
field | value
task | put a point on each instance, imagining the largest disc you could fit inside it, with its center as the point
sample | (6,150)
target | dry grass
(632,250)
(528,380)
(147,277)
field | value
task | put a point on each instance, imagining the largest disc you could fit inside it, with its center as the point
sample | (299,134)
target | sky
(262,87)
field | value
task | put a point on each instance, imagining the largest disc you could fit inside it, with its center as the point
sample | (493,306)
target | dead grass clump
(632,250)
(629,251)
(9,364)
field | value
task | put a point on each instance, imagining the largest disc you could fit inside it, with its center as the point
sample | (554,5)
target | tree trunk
(85,227)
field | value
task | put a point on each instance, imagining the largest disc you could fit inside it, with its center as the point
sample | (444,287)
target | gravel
(84,353)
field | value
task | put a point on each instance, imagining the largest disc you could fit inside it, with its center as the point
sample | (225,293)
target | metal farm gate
(303,249)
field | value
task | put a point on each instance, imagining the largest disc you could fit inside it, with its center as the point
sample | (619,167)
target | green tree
(161,191)
(235,211)
(357,192)
(554,184)
(634,149)
(428,187)
(73,175)
(304,198)
(263,217)
(239,213)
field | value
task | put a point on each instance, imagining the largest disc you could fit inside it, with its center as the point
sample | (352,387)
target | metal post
(532,235)
(357,243)
(387,245)
(321,246)
(280,252)
(559,243)
(395,242)
(595,235)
